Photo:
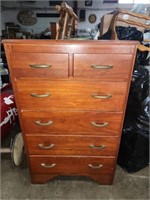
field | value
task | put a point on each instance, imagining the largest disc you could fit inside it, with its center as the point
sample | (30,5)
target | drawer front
(104,96)
(80,123)
(71,165)
(39,65)
(71,145)
(102,66)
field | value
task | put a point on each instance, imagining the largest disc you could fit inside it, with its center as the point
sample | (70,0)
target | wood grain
(72,95)
(70,122)
(71,113)
(72,145)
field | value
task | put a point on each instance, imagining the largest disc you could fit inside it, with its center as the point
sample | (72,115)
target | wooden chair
(66,23)
(116,17)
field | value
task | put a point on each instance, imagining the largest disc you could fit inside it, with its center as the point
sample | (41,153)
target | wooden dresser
(71,98)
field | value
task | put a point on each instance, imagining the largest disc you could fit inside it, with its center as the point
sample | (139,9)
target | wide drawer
(44,95)
(72,145)
(78,123)
(103,66)
(39,65)
(71,165)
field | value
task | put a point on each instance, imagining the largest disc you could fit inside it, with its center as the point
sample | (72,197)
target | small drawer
(72,145)
(78,122)
(71,165)
(47,95)
(102,66)
(39,65)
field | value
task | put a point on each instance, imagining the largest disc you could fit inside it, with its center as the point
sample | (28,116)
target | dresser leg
(103,179)
(41,178)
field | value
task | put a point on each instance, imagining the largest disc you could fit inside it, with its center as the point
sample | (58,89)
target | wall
(99,9)
(13,7)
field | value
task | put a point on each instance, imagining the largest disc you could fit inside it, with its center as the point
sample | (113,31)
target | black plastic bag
(138,101)
(142,57)
(134,146)
(129,33)
(124,33)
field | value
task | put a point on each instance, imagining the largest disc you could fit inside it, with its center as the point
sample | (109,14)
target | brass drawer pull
(101,66)
(100,125)
(101,96)
(98,147)
(40,95)
(95,166)
(40,66)
(42,146)
(48,166)
(44,124)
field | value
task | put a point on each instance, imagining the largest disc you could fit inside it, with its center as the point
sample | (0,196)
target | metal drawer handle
(95,166)
(48,166)
(42,146)
(101,96)
(44,124)
(40,66)
(98,147)
(100,125)
(40,95)
(101,66)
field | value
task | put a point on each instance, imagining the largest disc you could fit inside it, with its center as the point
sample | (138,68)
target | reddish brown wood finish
(82,108)
(103,179)
(120,65)
(72,145)
(72,95)
(72,165)
(69,122)
(21,63)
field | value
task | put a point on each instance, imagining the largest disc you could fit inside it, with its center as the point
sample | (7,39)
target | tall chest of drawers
(71,98)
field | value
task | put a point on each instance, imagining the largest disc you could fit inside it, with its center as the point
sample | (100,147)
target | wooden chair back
(133,22)
(66,23)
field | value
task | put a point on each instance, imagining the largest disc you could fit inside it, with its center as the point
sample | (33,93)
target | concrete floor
(15,184)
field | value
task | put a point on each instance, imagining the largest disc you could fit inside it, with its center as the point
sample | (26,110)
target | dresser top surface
(66,42)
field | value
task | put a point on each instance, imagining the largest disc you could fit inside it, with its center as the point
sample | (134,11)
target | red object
(8,110)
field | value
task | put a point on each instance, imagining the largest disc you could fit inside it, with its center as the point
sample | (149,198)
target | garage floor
(15,184)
